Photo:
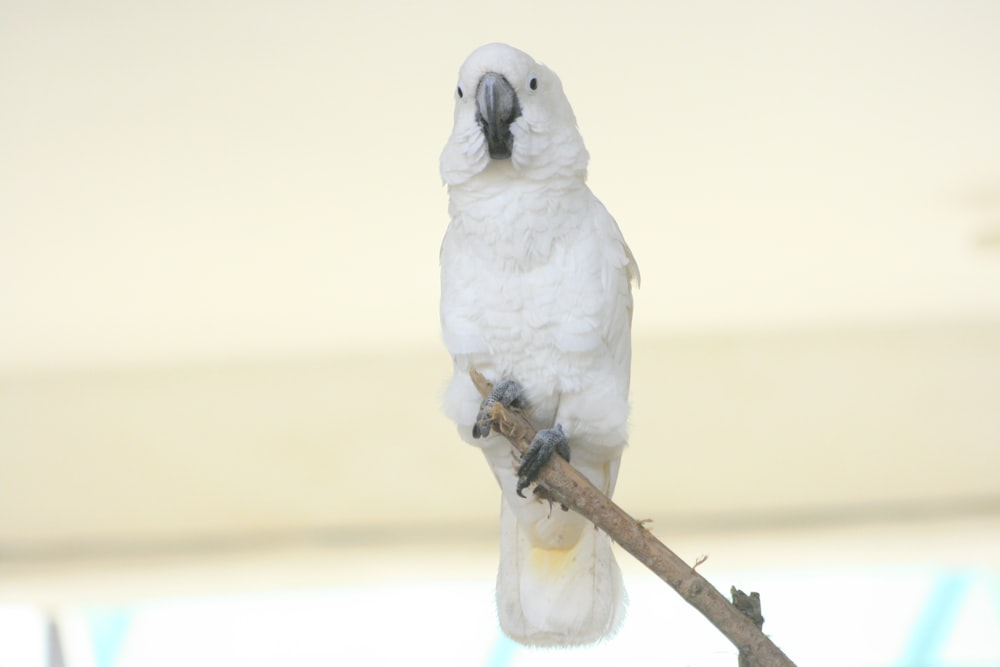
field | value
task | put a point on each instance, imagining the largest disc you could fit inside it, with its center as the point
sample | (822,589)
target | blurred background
(220,370)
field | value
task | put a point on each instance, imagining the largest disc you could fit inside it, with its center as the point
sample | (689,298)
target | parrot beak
(497,107)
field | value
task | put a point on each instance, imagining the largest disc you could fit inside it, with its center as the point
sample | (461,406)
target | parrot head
(511,113)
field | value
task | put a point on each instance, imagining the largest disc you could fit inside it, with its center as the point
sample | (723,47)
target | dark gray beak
(497,107)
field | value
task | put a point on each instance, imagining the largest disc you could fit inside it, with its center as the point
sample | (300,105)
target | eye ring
(533,83)
(459,91)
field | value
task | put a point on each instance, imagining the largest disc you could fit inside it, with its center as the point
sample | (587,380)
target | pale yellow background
(219,226)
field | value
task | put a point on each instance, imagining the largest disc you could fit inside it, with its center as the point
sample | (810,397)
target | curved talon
(507,393)
(484,422)
(542,447)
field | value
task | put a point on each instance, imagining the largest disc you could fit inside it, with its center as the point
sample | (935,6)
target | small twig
(749,606)
(563,484)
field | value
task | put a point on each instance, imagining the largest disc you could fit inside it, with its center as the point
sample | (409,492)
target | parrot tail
(558,584)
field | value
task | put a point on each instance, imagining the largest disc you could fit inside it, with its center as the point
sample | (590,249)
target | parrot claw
(542,447)
(507,393)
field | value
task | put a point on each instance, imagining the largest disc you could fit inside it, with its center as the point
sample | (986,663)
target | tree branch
(561,483)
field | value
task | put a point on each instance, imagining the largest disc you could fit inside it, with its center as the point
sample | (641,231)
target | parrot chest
(521,287)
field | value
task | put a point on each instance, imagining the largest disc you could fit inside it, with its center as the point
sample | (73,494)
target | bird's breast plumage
(522,269)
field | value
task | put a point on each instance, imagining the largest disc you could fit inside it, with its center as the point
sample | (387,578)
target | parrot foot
(507,393)
(545,443)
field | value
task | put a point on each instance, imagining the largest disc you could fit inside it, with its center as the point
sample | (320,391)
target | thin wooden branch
(561,483)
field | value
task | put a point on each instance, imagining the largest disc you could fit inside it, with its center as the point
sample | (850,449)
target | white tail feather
(570,593)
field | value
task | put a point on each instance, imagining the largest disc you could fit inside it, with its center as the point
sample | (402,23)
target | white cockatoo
(536,295)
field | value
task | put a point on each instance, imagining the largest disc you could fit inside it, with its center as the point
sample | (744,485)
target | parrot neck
(501,187)
(514,221)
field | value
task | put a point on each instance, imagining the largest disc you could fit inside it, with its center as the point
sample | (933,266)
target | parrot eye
(533,83)
(459,91)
